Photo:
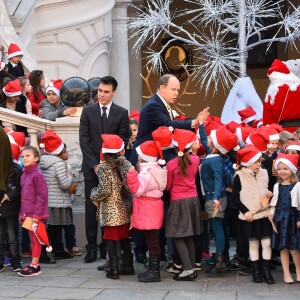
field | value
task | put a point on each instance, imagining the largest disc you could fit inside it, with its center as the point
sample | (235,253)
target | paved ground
(73,279)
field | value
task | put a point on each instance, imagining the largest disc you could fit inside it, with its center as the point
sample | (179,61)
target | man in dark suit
(102,117)
(157,112)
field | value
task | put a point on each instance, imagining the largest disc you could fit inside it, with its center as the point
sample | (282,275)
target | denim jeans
(9,228)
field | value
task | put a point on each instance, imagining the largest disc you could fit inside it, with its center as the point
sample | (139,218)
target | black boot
(267,276)
(112,272)
(227,259)
(256,272)
(126,267)
(153,274)
(219,266)
(104,267)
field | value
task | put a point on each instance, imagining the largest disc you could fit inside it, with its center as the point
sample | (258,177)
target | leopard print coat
(112,197)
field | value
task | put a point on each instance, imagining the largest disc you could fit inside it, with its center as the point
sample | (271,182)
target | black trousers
(91,223)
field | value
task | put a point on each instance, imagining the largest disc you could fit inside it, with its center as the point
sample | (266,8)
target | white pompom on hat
(14,50)
(150,151)
(290,160)
(52,143)
(224,140)
(112,143)
(183,139)
(248,155)
(54,85)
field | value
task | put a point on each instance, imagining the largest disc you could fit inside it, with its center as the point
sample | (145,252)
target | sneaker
(6,261)
(26,253)
(16,267)
(235,264)
(173,268)
(30,271)
(198,267)
(1,268)
(75,251)
(205,255)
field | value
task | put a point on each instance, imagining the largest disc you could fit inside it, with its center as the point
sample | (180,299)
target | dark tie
(104,119)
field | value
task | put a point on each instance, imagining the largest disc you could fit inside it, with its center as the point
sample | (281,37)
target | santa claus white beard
(278,79)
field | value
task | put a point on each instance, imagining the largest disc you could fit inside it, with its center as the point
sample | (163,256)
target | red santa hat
(183,139)
(101,156)
(12,88)
(248,155)
(247,115)
(293,146)
(290,160)
(150,151)
(278,66)
(259,140)
(214,119)
(210,125)
(52,143)
(135,114)
(42,236)
(180,117)
(257,123)
(232,126)
(242,133)
(163,135)
(17,141)
(271,131)
(224,140)
(14,50)
(112,143)
(54,85)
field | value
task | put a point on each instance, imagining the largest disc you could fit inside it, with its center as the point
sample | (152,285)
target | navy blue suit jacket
(90,131)
(153,115)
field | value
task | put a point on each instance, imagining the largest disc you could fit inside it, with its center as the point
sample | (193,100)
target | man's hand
(249,216)
(5,198)
(203,115)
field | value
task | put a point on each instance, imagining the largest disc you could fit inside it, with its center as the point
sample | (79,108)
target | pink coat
(147,187)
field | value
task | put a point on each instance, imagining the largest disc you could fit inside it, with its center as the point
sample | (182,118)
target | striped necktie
(170,111)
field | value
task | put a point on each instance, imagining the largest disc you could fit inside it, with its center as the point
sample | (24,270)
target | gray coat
(52,112)
(55,171)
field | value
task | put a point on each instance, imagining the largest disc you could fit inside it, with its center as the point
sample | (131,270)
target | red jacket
(35,102)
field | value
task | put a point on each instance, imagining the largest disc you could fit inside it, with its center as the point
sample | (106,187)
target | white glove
(34,227)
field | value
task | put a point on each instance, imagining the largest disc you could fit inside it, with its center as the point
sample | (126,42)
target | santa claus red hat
(224,140)
(242,133)
(290,160)
(17,141)
(271,131)
(180,117)
(293,146)
(163,135)
(278,66)
(247,115)
(214,119)
(259,140)
(248,155)
(150,151)
(112,143)
(135,114)
(54,85)
(183,139)
(257,123)
(42,236)
(52,143)
(210,125)
(12,88)
(101,156)
(14,50)
(232,126)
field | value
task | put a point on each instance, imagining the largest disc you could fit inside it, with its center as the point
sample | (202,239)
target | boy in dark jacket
(9,221)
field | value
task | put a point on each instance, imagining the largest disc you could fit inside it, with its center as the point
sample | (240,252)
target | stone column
(119,60)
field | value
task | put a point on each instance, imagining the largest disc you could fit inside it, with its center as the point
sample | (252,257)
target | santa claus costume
(281,104)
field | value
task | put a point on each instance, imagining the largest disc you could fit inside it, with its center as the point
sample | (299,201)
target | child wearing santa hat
(34,204)
(10,205)
(183,219)
(251,196)
(247,115)
(53,107)
(14,55)
(54,167)
(285,207)
(114,204)
(147,186)
(217,144)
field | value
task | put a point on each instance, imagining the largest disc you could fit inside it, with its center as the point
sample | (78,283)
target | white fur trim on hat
(17,53)
(239,135)
(252,160)
(144,156)
(52,88)
(56,151)
(11,94)
(293,147)
(252,118)
(107,150)
(274,137)
(215,142)
(286,162)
